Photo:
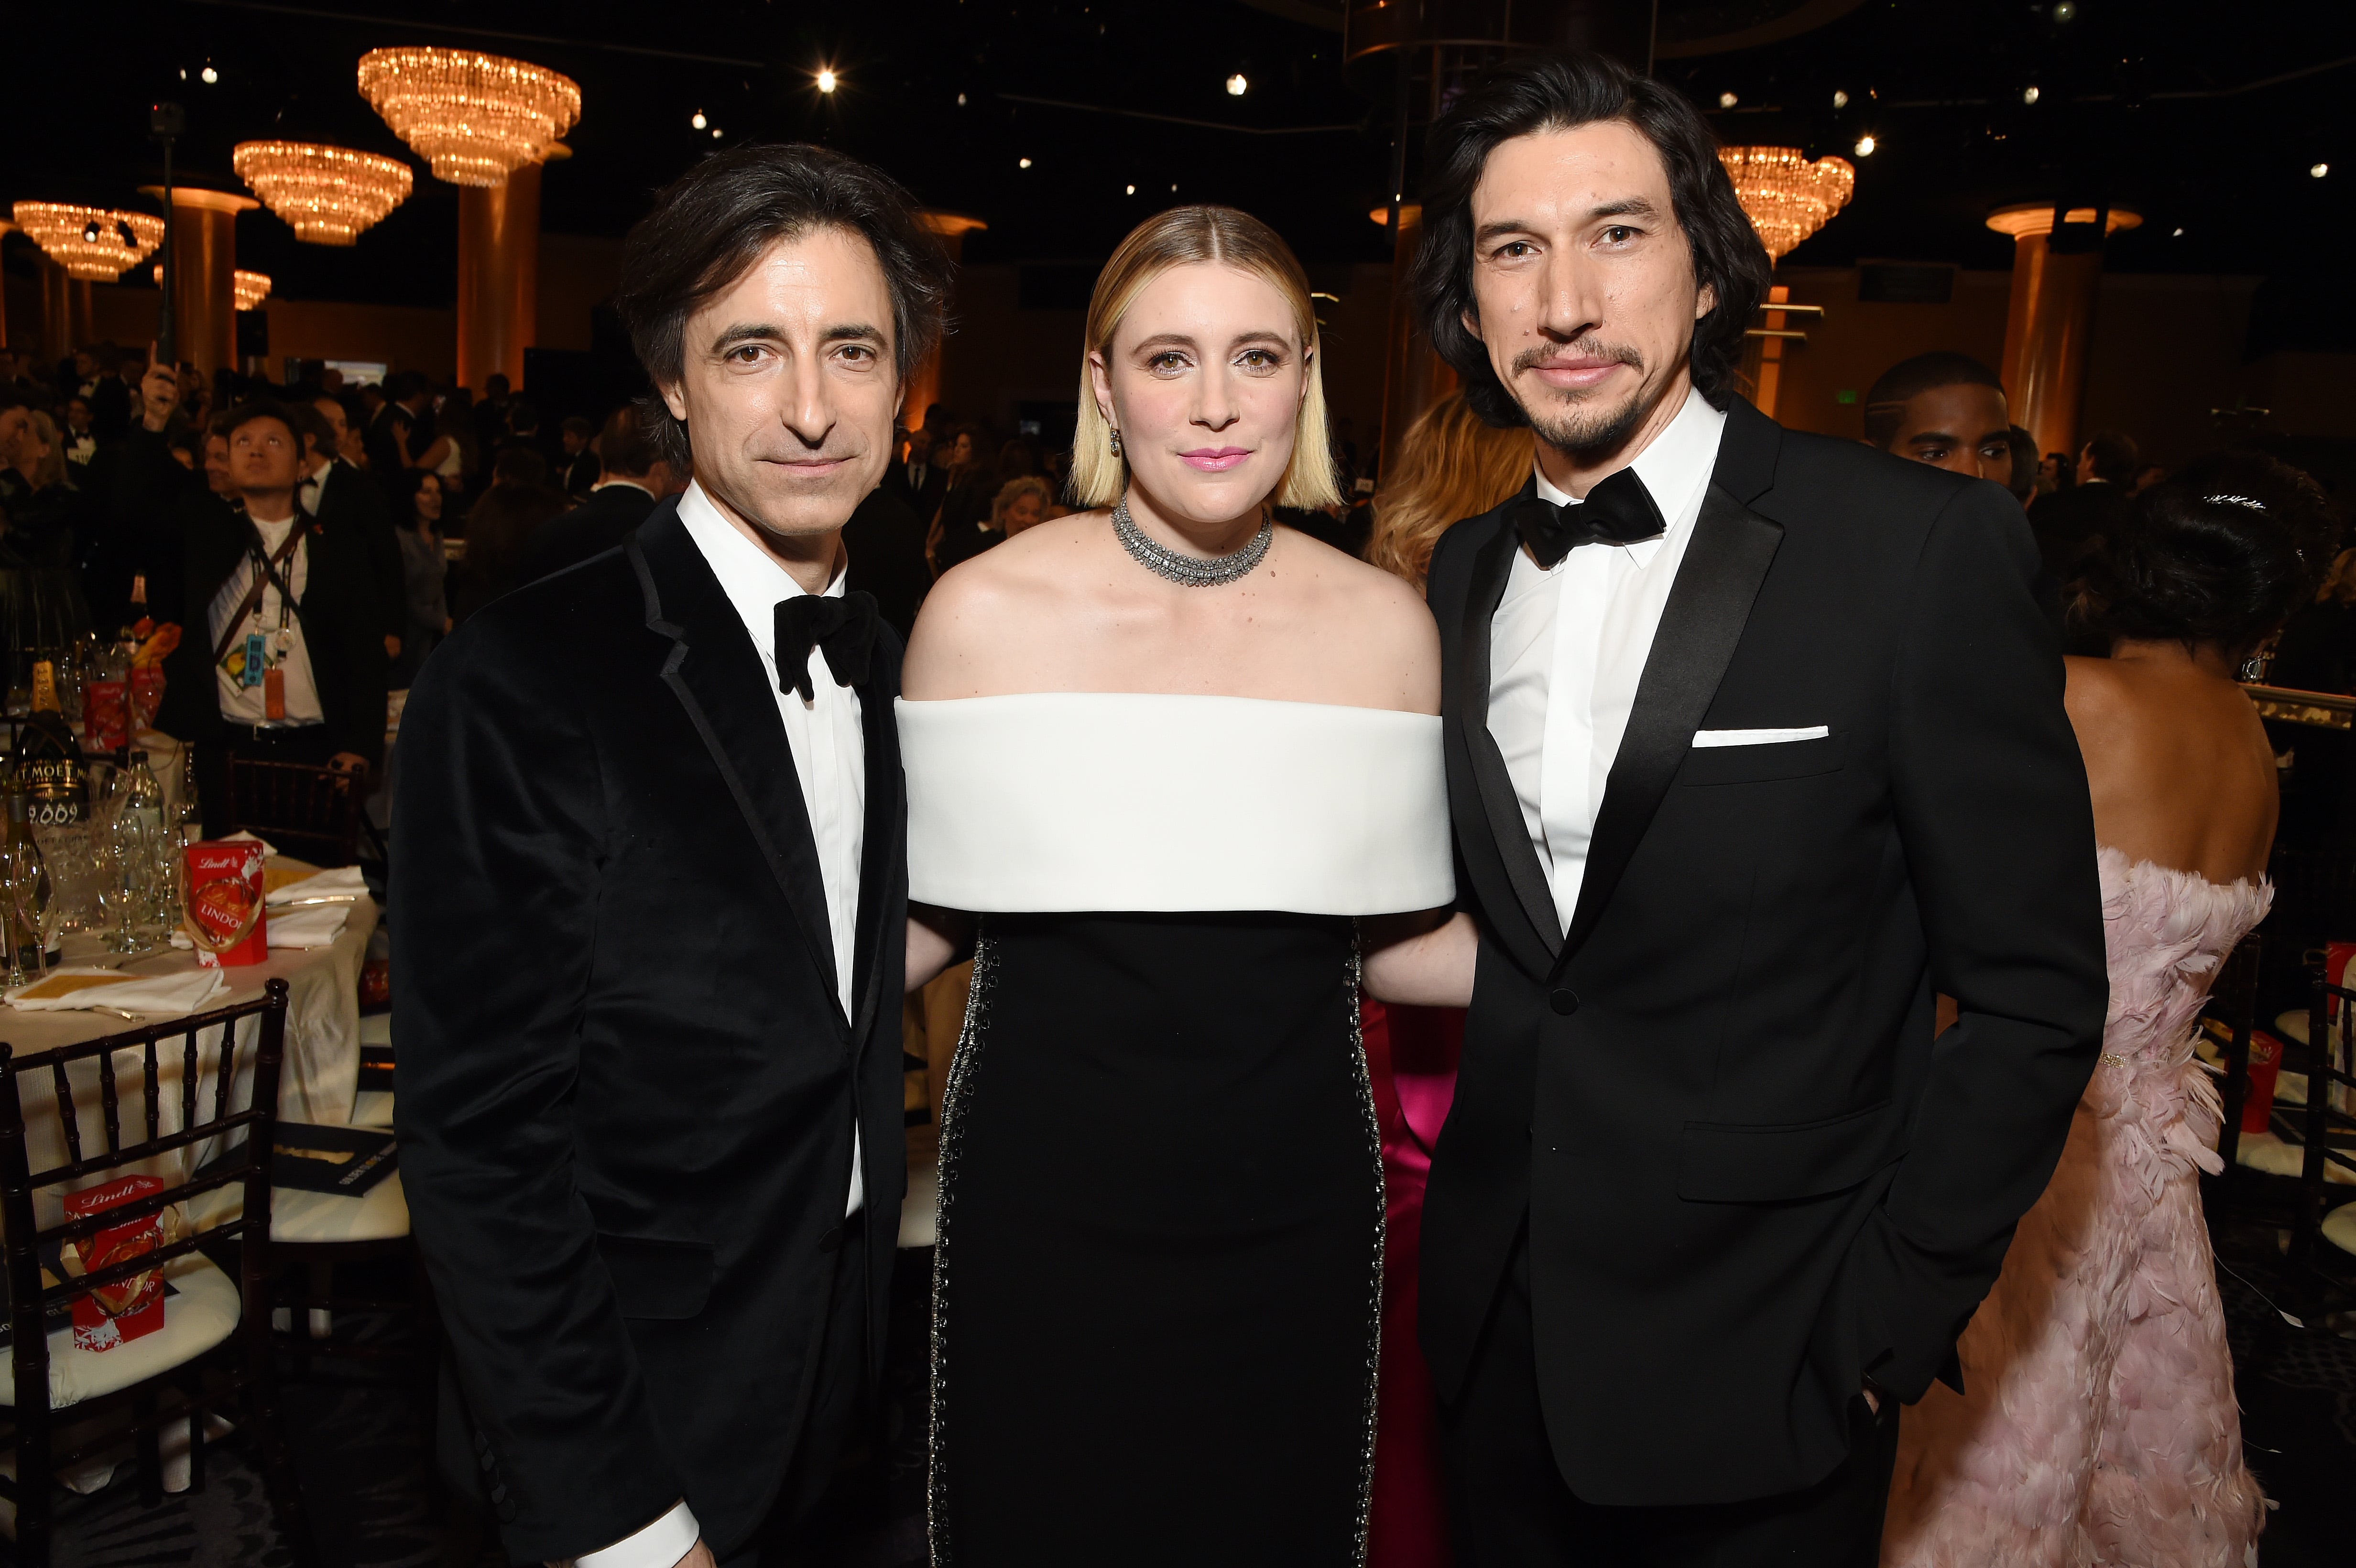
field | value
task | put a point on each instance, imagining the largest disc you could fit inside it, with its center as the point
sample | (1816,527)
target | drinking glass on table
(121,881)
(20,881)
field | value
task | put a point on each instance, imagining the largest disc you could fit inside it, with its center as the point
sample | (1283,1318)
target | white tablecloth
(317,1079)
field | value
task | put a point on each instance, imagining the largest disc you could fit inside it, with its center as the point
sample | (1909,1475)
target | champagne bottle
(48,760)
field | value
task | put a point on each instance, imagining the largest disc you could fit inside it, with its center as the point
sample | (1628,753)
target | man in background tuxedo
(393,433)
(652,906)
(1751,735)
(919,483)
(578,472)
(636,477)
(333,491)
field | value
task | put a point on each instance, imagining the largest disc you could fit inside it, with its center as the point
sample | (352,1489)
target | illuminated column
(204,292)
(923,387)
(5,227)
(2049,332)
(499,275)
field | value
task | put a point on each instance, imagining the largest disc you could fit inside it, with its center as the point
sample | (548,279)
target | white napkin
(315,926)
(269,850)
(183,991)
(345,881)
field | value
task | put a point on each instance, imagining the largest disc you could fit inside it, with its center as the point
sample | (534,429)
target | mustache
(1583,347)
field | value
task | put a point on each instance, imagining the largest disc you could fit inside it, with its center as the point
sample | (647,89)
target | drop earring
(1116,441)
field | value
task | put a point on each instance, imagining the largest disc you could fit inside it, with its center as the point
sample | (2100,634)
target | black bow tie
(1617,510)
(844,628)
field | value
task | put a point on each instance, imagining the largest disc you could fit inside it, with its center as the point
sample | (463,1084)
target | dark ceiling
(2206,117)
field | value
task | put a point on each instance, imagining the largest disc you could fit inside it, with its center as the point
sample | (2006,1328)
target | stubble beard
(1575,423)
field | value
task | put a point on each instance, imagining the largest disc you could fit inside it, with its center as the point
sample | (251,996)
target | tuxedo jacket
(1750,1180)
(922,499)
(341,611)
(627,1088)
(603,519)
(351,502)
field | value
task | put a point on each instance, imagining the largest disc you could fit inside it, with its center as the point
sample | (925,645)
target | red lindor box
(105,715)
(2266,1062)
(225,916)
(130,1308)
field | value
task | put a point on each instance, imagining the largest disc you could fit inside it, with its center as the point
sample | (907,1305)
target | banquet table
(318,1078)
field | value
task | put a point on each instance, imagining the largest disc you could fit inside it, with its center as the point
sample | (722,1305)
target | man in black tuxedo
(636,478)
(392,441)
(1752,738)
(918,483)
(282,657)
(579,469)
(652,911)
(337,494)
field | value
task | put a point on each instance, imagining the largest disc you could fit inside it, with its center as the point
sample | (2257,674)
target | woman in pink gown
(2097,1424)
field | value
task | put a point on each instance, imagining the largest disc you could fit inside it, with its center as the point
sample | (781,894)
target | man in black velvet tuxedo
(1753,738)
(651,905)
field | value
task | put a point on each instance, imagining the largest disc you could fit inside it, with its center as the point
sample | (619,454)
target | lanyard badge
(255,659)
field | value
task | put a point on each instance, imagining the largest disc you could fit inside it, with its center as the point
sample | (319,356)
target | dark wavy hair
(709,226)
(2222,552)
(1536,92)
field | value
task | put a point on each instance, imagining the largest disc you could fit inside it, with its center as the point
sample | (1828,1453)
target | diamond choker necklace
(1189,570)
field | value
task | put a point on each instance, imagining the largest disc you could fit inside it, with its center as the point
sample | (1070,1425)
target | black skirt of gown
(1159,1277)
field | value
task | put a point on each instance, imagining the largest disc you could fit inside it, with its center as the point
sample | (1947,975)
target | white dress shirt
(1568,647)
(243,704)
(830,753)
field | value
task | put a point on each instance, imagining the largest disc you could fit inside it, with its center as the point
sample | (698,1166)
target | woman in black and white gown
(1174,759)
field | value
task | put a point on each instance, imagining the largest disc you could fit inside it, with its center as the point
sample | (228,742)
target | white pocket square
(1759,736)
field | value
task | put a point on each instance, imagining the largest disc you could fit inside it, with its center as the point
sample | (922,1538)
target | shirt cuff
(658,1545)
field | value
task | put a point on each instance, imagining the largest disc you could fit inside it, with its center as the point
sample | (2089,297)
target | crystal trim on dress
(1366,1083)
(961,1065)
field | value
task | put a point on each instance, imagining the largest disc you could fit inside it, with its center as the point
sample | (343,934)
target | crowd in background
(110,467)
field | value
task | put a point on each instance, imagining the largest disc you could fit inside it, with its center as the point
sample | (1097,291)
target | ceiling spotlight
(1237,85)
(210,75)
(1021,163)
(2317,171)
(1841,99)
(2065,10)
(1727,101)
(826,81)
(89,231)
(697,119)
(1865,145)
(960,100)
(715,132)
(2178,235)
(184,73)
(1131,191)
(1174,190)
(2028,95)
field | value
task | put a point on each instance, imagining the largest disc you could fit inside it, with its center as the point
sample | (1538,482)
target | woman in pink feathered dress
(2097,1425)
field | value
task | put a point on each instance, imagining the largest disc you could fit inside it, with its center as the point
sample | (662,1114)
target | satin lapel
(716,673)
(886,836)
(1708,605)
(1499,804)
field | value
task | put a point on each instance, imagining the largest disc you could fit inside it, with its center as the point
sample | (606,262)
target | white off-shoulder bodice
(1064,802)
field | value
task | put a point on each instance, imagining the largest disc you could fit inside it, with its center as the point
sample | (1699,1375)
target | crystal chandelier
(93,243)
(1786,196)
(330,195)
(475,118)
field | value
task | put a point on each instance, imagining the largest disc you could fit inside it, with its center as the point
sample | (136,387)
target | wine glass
(120,878)
(20,877)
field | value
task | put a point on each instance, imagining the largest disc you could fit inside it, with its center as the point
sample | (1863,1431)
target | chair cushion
(379,1214)
(2266,1153)
(2340,1227)
(201,1315)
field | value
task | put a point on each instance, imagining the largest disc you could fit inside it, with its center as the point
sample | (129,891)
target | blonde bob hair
(1182,235)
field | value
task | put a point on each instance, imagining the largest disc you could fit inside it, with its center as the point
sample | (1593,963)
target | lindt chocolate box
(130,1308)
(225,916)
